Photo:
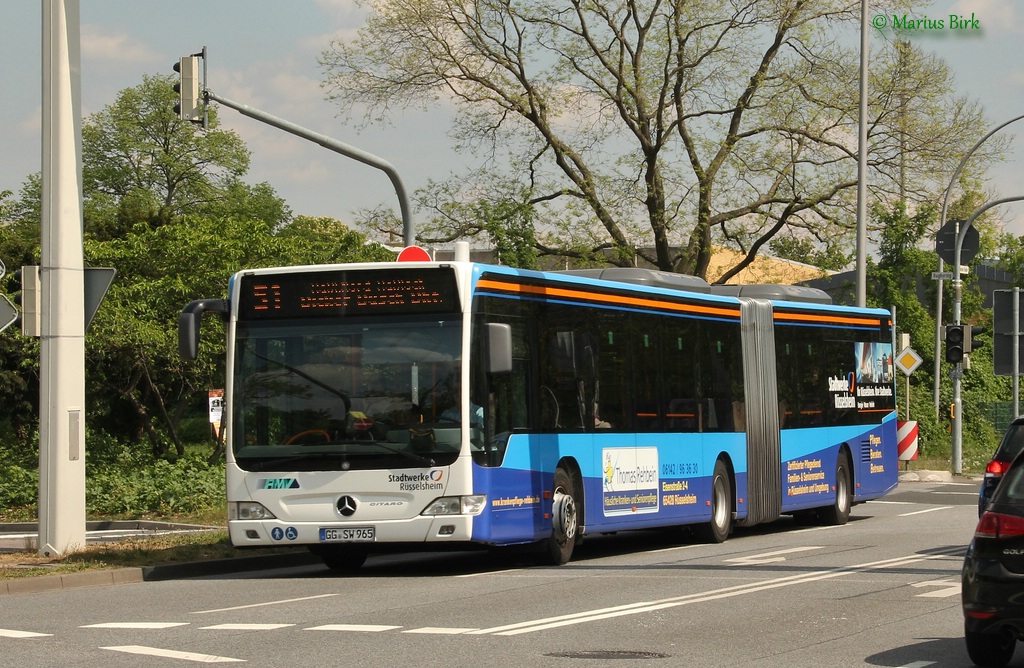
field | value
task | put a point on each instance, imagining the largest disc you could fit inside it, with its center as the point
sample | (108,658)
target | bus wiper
(265,465)
(305,376)
(423,461)
(259,464)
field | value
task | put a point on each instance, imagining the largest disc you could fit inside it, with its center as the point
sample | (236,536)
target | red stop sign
(413,254)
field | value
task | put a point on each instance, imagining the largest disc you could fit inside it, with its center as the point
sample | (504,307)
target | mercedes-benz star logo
(347,506)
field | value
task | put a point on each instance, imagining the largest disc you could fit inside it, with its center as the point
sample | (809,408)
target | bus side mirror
(188,325)
(499,347)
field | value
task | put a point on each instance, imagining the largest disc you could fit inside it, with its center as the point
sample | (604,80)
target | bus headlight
(457,505)
(249,510)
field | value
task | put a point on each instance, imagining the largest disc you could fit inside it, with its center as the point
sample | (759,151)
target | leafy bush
(19,486)
(188,486)
(122,480)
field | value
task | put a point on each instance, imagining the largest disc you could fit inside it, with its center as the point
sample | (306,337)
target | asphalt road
(882,590)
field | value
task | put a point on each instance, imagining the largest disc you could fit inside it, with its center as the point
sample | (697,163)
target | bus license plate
(347,535)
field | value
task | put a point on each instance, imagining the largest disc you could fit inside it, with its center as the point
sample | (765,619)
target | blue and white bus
(388,404)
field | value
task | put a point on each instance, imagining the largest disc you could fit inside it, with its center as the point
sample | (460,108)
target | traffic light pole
(942,223)
(957,373)
(408,229)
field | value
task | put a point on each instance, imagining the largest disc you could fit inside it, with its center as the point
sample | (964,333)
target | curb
(926,476)
(42,583)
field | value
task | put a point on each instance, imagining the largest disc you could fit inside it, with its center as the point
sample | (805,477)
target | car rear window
(1012,443)
(1011,488)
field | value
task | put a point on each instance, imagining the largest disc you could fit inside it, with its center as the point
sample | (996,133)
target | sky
(264,53)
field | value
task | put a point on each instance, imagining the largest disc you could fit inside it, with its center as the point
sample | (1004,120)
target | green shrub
(188,486)
(19,486)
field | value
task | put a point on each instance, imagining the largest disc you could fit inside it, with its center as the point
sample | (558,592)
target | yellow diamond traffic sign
(908,360)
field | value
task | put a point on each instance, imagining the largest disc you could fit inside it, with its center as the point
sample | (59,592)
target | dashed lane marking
(134,625)
(439,630)
(11,633)
(246,627)
(172,654)
(368,628)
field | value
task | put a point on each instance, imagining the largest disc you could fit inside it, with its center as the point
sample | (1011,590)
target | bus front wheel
(564,520)
(720,526)
(839,511)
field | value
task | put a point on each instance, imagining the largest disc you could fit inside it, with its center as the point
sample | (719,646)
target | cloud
(100,44)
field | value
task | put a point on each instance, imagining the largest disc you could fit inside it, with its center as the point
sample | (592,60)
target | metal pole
(937,371)
(1016,352)
(408,229)
(862,161)
(62,341)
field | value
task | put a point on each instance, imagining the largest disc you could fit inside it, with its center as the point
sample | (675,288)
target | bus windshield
(362,393)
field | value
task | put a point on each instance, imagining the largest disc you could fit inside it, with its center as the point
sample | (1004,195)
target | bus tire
(564,519)
(342,560)
(839,512)
(720,526)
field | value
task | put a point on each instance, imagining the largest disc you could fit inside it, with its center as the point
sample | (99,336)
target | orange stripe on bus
(550,291)
(833,319)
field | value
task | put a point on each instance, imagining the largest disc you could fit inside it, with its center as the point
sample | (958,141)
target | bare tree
(664,124)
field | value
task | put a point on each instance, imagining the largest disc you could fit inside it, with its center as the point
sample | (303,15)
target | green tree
(713,122)
(141,163)
(825,254)
(132,349)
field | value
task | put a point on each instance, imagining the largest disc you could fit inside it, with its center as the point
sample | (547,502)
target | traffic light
(955,343)
(972,334)
(30,300)
(188,107)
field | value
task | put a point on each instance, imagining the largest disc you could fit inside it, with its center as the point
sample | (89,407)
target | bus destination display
(348,293)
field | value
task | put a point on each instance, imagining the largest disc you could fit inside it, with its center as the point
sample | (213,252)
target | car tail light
(998,525)
(996,467)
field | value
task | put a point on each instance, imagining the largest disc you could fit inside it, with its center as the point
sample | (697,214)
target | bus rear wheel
(564,520)
(720,526)
(839,511)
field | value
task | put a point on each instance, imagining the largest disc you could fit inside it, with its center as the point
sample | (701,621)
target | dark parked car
(1011,446)
(993,574)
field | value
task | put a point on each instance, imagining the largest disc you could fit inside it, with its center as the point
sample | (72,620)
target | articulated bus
(386,405)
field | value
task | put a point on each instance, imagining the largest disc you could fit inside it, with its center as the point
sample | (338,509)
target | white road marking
(10,633)
(368,628)
(673,548)
(726,592)
(134,625)
(171,654)
(476,575)
(948,588)
(927,510)
(828,527)
(918,664)
(769,557)
(259,605)
(439,630)
(245,627)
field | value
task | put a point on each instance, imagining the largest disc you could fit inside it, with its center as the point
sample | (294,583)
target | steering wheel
(309,437)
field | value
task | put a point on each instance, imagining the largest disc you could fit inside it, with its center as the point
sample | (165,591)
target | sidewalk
(20,536)
(923,475)
(43,583)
